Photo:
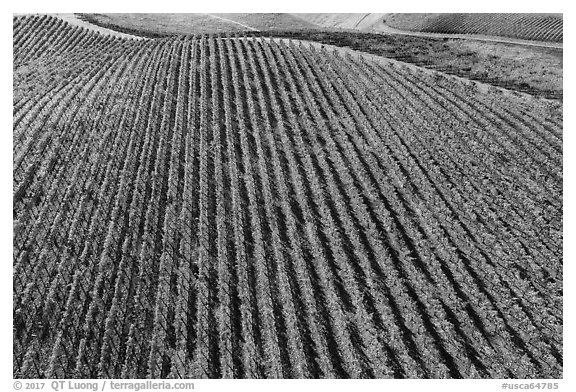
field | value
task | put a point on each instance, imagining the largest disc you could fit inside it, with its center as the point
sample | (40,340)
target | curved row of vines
(537,27)
(252,208)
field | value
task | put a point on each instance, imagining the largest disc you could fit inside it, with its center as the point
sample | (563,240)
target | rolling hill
(159,25)
(343,21)
(537,27)
(228,206)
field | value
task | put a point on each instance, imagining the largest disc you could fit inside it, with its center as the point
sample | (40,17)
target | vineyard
(161,25)
(238,207)
(538,27)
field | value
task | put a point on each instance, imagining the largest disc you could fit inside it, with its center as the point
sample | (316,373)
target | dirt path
(232,21)
(373,23)
(384,29)
(74,20)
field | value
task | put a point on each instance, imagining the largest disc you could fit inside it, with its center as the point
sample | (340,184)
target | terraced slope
(538,27)
(251,208)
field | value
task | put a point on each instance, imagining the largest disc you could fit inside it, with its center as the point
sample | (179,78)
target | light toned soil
(181,23)
(232,21)
(375,23)
(549,67)
(343,21)
(483,87)
(74,20)
(383,28)
(268,21)
(515,25)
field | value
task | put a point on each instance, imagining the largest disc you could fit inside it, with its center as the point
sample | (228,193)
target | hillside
(182,24)
(343,21)
(528,27)
(534,70)
(218,206)
(539,73)
(538,27)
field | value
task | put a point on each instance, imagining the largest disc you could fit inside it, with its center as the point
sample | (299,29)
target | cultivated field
(538,27)
(531,67)
(157,25)
(343,21)
(534,70)
(228,206)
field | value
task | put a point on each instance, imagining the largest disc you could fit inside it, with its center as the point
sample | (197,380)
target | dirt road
(74,20)
(384,29)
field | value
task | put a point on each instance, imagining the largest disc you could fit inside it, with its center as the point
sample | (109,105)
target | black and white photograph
(287,196)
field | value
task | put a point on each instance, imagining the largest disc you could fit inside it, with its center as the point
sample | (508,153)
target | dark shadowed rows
(253,208)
